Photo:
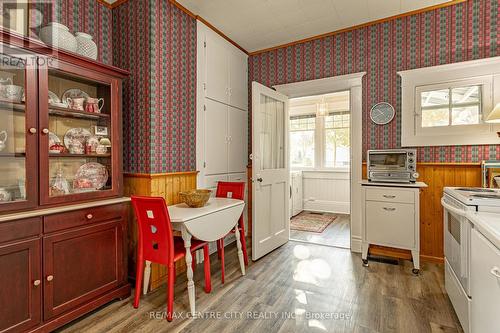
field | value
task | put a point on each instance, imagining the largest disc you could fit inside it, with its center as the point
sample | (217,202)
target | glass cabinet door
(79,150)
(18,131)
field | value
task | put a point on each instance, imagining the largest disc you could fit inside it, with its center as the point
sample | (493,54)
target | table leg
(186,236)
(240,252)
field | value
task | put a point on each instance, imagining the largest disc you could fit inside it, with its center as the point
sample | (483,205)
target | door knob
(36,283)
(32,130)
(259,180)
(45,131)
(50,278)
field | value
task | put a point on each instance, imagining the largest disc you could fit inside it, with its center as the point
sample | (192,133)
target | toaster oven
(392,165)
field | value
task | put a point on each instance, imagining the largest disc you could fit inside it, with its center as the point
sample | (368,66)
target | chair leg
(170,292)
(218,248)
(243,240)
(206,264)
(147,276)
(222,259)
(138,280)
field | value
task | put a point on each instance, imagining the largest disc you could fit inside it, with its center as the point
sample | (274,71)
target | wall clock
(382,113)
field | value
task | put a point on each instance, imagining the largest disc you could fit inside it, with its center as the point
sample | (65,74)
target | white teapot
(3,140)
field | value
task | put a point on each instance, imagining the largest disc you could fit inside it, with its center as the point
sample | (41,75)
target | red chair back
(156,240)
(234,190)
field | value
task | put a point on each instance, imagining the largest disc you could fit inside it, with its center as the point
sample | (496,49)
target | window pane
(435,97)
(468,94)
(302,149)
(337,121)
(302,124)
(272,133)
(435,117)
(466,115)
(337,147)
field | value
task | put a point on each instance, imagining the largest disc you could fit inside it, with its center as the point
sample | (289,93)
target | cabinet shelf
(4,154)
(12,106)
(64,155)
(65,112)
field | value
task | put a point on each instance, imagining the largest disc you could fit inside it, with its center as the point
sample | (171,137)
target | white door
(270,168)
(238,140)
(217,68)
(215,137)
(238,78)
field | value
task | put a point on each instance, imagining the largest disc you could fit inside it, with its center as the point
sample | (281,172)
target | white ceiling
(259,24)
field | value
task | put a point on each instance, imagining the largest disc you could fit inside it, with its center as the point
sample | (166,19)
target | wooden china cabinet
(63,219)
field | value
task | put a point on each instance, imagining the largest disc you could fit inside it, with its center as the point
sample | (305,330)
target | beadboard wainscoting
(436,176)
(326,191)
(168,186)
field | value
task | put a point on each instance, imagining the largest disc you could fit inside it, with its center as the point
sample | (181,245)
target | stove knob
(415,175)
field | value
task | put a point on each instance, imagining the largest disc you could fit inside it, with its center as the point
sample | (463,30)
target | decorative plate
(53,98)
(76,135)
(74,93)
(382,113)
(53,139)
(94,173)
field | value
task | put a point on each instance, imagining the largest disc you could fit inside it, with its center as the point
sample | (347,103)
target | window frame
(484,72)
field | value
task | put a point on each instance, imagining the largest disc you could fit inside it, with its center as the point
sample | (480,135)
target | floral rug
(312,222)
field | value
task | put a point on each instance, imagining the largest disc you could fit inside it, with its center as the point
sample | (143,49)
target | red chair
(157,244)
(234,190)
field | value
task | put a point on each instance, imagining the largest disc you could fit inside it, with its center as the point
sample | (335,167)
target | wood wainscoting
(436,176)
(168,186)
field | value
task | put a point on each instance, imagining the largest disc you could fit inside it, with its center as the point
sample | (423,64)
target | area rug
(311,222)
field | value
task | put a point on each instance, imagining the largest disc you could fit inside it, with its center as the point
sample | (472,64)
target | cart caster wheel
(415,271)
(365,262)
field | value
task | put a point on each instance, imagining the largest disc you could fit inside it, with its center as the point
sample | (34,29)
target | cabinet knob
(90,216)
(389,196)
(50,278)
(32,130)
(45,131)
(36,283)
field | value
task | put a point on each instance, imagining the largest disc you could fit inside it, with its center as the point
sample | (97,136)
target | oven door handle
(452,209)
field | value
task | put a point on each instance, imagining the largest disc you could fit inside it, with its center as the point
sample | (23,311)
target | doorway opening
(320,157)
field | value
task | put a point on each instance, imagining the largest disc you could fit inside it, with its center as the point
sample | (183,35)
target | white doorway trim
(353,83)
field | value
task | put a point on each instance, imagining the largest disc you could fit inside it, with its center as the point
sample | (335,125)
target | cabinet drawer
(390,224)
(81,217)
(390,195)
(19,229)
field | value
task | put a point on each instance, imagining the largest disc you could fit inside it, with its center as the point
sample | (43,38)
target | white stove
(457,201)
(482,199)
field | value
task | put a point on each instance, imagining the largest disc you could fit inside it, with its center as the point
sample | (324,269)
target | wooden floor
(297,288)
(338,233)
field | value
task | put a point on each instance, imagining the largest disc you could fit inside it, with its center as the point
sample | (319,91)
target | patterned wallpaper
(82,15)
(157,43)
(461,32)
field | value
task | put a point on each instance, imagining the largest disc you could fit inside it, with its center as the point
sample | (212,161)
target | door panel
(80,265)
(20,268)
(217,79)
(215,137)
(270,167)
(238,78)
(238,144)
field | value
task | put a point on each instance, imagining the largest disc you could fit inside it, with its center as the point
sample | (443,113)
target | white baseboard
(327,206)
(355,244)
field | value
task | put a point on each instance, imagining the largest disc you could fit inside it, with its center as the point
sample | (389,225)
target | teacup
(75,103)
(3,140)
(94,104)
(4,195)
(13,93)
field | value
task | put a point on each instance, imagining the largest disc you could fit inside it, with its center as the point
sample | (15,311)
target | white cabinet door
(238,144)
(217,68)
(238,79)
(485,284)
(215,137)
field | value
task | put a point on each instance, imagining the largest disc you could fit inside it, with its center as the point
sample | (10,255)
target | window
(451,107)
(446,105)
(302,132)
(337,146)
